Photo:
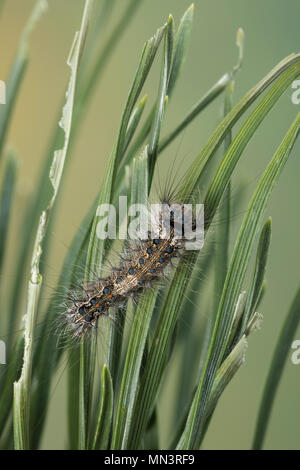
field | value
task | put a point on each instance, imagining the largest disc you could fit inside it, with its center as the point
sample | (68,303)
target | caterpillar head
(83,316)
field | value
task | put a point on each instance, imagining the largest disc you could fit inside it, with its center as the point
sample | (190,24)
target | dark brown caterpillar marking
(146,264)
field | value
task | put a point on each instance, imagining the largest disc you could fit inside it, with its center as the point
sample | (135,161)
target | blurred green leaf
(14,81)
(1,5)
(104,422)
(107,49)
(6,199)
(129,386)
(162,97)
(182,40)
(259,273)
(17,71)
(279,359)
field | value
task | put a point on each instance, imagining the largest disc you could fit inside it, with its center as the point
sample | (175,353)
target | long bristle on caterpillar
(146,261)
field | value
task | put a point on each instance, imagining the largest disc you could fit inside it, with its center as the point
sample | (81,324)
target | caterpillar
(147,260)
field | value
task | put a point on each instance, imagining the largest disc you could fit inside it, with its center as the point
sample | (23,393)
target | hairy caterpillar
(146,260)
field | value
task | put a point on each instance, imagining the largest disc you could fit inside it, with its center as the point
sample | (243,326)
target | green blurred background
(272,32)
